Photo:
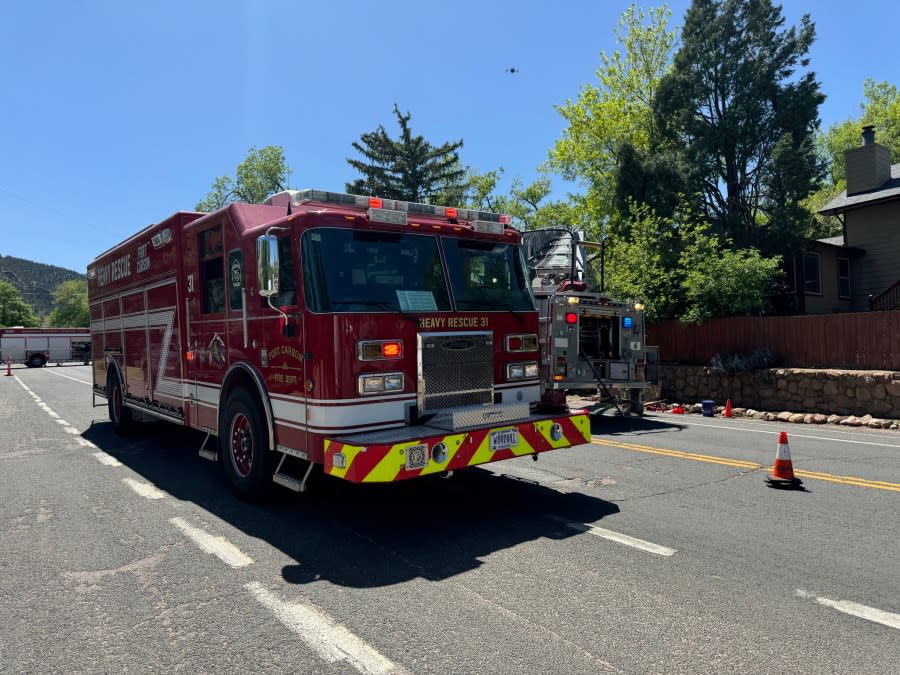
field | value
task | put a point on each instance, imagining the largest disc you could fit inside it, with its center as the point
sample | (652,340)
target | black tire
(122,418)
(243,447)
(36,361)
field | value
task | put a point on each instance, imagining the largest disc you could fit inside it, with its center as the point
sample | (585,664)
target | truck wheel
(121,416)
(244,447)
(36,361)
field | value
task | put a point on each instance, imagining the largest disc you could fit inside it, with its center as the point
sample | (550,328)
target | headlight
(377,383)
(522,371)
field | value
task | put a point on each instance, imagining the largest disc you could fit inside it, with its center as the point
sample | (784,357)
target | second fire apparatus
(381,340)
(589,341)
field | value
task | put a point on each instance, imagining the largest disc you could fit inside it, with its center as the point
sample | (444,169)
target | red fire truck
(381,340)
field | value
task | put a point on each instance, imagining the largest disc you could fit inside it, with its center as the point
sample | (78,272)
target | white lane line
(855,609)
(792,434)
(144,489)
(108,460)
(218,546)
(71,430)
(68,377)
(84,443)
(619,538)
(327,638)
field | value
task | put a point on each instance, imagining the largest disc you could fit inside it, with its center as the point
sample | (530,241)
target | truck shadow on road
(614,425)
(362,536)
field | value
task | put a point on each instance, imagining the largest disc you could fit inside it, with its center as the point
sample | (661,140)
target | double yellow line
(751,466)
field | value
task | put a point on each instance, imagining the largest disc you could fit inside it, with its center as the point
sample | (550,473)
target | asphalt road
(658,548)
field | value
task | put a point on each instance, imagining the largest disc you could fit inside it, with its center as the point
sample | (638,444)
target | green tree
(262,173)
(881,109)
(738,114)
(680,269)
(408,168)
(71,309)
(616,113)
(14,311)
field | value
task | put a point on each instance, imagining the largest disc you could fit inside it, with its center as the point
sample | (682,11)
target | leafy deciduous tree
(617,112)
(262,173)
(14,311)
(680,269)
(881,109)
(70,298)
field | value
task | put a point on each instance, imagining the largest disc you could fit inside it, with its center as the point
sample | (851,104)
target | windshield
(358,271)
(348,270)
(487,276)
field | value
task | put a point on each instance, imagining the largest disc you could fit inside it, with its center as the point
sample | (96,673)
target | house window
(812,273)
(843,265)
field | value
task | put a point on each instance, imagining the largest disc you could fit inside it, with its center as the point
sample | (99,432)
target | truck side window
(212,271)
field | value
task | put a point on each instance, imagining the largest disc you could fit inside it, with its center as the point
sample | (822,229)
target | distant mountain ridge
(36,281)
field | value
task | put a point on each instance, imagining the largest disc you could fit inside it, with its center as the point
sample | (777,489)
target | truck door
(283,335)
(207,335)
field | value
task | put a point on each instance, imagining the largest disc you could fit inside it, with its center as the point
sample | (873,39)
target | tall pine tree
(408,168)
(738,116)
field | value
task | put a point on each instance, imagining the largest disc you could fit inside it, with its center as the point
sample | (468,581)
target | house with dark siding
(860,269)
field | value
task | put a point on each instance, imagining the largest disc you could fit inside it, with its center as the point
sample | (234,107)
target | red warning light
(391,350)
(375,202)
(571,317)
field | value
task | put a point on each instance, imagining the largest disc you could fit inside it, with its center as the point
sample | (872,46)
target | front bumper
(410,452)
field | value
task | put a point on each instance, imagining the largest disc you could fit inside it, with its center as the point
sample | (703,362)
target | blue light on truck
(627,322)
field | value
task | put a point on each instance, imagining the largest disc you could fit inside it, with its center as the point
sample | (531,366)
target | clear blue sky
(116,114)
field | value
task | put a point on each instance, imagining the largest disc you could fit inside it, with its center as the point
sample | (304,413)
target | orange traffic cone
(9,366)
(782,470)
(727,412)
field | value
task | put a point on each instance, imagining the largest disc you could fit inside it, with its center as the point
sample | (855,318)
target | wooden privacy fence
(860,341)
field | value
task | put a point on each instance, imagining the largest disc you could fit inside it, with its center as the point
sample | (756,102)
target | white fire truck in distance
(588,340)
(36,347)
(380,340)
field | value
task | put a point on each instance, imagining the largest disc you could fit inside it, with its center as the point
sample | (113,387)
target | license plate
(502,439)
(417,457)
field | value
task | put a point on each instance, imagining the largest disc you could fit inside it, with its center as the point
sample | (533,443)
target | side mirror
(267,265)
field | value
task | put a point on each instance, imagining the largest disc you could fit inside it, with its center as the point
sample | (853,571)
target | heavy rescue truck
(588,340)
(381,340)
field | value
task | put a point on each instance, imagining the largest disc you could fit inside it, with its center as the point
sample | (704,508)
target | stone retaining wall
(838,392)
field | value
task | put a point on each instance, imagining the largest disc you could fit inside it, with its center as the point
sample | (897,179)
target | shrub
(759,358)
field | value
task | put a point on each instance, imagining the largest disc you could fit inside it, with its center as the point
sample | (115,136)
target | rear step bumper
(409,452)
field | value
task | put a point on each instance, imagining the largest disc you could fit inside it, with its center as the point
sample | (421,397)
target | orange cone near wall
(727,412)
(783,471)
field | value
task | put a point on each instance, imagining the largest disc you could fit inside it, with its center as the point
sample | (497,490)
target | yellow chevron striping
(349,452)
(453,443)
(483,454)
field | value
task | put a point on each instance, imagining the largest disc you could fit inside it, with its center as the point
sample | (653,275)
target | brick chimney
(869,166)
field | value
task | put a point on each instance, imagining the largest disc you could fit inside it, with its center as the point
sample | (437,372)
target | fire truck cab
(380,340)
(589,342)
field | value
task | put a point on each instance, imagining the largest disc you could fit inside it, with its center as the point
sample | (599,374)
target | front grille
(455,369)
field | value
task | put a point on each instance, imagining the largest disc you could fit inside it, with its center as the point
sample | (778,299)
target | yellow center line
(753,466)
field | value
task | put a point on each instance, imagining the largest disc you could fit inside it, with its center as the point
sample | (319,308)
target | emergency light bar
(397,212)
